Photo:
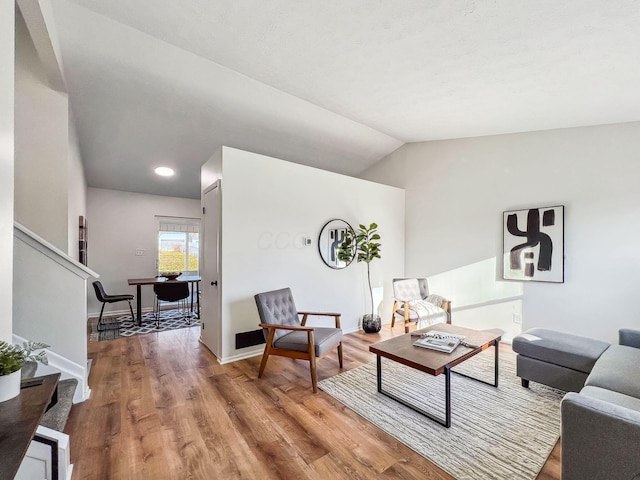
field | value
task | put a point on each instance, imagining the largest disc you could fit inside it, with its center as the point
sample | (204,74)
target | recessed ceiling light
(164,171)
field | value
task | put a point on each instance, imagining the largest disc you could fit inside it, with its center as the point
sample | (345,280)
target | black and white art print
(533,245)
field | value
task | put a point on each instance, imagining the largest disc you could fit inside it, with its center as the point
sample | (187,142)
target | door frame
(215,336)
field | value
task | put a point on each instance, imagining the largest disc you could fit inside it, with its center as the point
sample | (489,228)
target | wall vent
(249,339)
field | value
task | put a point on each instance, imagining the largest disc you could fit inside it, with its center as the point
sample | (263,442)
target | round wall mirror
(331,236)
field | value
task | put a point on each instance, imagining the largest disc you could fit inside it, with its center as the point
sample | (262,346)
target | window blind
(169,224)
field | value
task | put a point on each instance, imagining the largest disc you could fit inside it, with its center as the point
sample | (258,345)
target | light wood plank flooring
(163,408)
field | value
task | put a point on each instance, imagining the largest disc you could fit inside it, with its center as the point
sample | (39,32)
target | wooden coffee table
(400,349)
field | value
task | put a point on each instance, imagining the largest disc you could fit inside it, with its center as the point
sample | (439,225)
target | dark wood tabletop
(157,280)
(19,419)
(401,349)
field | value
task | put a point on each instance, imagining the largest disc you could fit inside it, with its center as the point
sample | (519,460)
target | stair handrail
(53,252)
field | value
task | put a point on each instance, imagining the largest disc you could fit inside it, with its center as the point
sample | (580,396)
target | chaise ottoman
(556,359)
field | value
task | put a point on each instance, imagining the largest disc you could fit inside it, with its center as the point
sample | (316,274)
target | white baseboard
(66,368)
(118,313)
(69,369)
(350,330)
(241,356)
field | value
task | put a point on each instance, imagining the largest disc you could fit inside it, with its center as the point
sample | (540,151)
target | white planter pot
(9,386)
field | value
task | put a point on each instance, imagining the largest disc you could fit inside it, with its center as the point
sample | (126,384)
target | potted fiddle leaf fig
(364,245)
(12,359)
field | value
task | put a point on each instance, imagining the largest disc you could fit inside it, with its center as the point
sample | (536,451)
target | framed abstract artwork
(533,245)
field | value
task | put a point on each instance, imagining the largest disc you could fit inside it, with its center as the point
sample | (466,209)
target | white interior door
(210,272)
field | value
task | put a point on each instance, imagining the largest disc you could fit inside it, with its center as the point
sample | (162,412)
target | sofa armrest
(599,439)
(305,315)
(293,328)
(446,306)
(629,337)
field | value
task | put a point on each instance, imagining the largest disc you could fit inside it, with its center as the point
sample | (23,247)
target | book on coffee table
(440,341)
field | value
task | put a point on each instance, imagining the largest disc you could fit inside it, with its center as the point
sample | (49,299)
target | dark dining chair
(105,298)
(172,291)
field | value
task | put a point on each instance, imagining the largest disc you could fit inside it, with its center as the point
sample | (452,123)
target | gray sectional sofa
(600,423)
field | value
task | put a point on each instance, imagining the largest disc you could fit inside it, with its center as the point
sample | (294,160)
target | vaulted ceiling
(334,84)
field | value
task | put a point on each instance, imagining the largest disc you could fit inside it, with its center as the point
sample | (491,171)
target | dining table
(194,280)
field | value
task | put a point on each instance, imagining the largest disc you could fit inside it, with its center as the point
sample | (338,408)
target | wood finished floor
(163,408)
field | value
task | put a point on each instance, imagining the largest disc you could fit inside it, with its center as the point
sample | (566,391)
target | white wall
(60,321)
(118,224)
(57,315)
(479,301)
(77,192)
(41,146)
(211,171)
(7,68)
(456,192)
(268,206)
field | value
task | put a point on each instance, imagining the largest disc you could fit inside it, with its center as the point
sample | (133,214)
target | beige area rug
(503,433)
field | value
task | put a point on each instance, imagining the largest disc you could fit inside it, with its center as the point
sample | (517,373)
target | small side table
(19,419)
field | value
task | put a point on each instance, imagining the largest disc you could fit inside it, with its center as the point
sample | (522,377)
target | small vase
(9,386)
(371,323)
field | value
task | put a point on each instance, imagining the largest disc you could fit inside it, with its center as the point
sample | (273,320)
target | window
(179,245)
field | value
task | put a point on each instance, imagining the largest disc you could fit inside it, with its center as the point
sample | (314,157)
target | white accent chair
(413,303)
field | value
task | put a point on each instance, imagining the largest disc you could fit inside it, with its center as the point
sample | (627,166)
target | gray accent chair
(407,290)
(288,336)
(601,424)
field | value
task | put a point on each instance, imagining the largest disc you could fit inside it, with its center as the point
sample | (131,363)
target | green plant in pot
(366,248)
(12,359)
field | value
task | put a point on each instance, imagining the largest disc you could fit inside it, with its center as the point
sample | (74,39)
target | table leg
(496,345)
(193,285)
(447,393)
(198,298)
(139,305)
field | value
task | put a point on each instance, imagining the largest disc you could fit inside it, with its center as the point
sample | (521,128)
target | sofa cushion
(610,396)
(424,312)
(407,290)
(617,369)
(558,348)
(325,338)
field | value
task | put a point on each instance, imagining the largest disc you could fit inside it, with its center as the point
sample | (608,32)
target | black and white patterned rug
(124,326)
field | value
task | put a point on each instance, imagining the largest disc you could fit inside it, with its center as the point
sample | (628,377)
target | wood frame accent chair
(288,336)
(413,303)
(105,298)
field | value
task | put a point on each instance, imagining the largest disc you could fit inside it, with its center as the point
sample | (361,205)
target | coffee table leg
(447,392)
(496,345)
